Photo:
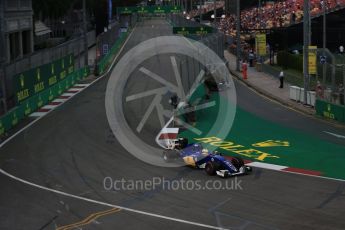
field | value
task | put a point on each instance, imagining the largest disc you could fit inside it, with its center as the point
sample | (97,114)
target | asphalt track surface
(72,150)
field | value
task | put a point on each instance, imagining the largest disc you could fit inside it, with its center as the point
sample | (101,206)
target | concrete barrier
(297,94)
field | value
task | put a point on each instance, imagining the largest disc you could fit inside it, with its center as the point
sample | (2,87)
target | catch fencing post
(3,87)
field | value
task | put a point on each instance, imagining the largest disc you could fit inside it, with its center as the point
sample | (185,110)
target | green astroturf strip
(303,151)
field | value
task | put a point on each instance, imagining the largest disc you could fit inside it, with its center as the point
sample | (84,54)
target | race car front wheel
(211,168)
(237,162)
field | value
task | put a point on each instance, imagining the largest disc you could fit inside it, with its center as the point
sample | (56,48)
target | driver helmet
(204,152)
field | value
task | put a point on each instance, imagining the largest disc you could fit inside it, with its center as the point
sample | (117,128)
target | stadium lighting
(223,16)
(184,12)
(188,17)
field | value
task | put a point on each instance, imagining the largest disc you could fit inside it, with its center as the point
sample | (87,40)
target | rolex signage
(199,30)
(34,81)
(150,9)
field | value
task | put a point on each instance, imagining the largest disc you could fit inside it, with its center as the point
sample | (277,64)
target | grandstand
(272,14)
(282,17)
(278,14)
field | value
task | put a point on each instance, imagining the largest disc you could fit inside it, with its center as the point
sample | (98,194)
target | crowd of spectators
(273,15)
(270,15)
(278,14)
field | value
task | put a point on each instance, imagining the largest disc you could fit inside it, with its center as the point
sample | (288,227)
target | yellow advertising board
(312,67)
(260,41)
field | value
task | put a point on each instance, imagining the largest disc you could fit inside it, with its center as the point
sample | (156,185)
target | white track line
(267,166)
(335,135)
(110,205)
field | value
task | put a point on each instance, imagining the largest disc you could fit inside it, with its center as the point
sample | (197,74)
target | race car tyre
(170,155)
(211,168)
(237,162)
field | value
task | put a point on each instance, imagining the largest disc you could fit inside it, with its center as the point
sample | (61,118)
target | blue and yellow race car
(196,156)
